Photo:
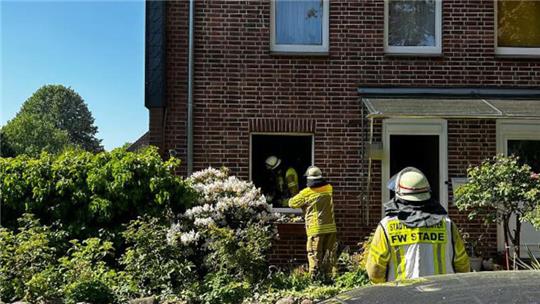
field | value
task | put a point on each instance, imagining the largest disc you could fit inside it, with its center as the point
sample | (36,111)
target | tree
(28,134)
(497,189)
(5,148)
(53,117)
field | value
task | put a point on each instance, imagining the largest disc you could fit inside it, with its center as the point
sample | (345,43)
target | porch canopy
(451,102)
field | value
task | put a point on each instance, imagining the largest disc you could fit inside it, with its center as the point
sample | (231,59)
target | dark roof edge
(392,92)
(155,61)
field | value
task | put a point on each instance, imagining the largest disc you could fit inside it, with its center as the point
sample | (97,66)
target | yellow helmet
(272,162)
(410,184)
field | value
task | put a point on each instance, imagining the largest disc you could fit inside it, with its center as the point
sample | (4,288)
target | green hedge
(87,194)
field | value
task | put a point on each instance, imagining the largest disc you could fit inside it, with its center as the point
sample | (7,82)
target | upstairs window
(412,26)
(518,28)
(299,26)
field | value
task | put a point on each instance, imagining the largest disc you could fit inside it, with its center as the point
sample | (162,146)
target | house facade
(359,88)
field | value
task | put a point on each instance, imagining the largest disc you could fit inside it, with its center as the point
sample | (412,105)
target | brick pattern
(282,125)
(290,247)
(470,142)
(239,81)
(175,116)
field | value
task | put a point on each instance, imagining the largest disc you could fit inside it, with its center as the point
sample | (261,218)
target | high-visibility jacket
(292,181)
(318,208)
(398,252)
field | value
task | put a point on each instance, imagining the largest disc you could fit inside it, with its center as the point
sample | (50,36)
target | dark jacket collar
(315,183)
(415,214)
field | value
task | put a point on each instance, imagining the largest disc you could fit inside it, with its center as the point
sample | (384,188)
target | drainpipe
(190,90)
(369,167)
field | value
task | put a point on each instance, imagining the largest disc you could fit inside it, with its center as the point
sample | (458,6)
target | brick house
(359,88)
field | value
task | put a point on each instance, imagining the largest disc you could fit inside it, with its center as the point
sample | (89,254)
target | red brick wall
(470,142)
(237,79)
(175,117)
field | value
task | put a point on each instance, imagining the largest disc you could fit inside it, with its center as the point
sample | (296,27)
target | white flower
(172,234)
(204,222)
(190,237)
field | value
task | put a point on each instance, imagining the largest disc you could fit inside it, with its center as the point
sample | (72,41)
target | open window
(293,150)
(413,27)
(299,26)
(518,28)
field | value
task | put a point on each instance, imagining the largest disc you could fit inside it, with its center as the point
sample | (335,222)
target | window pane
(518,23)
(299,22)
(528,152)
(411,23)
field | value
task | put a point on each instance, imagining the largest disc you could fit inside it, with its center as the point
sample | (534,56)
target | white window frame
(301,48)
(514,130)
(511,51)
(280,210)
(416,127)
(415,50)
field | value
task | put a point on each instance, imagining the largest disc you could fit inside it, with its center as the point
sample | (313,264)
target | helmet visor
(391,184)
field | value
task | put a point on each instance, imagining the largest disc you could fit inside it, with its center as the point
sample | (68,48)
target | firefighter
(416,237)
(286,185)
(316,203)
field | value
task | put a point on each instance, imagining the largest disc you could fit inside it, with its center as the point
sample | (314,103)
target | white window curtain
(411,23)
(299,22)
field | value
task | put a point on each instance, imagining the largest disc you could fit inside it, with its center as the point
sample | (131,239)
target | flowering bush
(225,200)
(229,230)
(222,201)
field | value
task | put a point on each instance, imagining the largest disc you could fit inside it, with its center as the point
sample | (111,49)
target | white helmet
(313,173)
(410,184)
(272,162)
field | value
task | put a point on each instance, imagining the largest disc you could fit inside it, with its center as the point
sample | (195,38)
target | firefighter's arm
(297,201)
(461,259)
(378,257)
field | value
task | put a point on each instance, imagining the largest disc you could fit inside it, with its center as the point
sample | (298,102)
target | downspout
(369,166)
(190,90)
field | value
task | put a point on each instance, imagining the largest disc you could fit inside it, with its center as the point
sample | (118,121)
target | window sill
(299,53)
(509,52)
(284,210)
(397,54)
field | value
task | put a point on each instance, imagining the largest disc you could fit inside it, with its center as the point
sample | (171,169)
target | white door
(420,143)
(521,138)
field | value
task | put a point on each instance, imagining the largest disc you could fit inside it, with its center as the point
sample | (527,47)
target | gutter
(190,90)
(472,92)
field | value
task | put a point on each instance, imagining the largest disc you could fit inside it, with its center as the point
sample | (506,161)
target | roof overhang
(451,103)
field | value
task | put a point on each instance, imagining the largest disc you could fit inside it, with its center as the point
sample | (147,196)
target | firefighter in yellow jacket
(316,203)
(286,185)
(416,237)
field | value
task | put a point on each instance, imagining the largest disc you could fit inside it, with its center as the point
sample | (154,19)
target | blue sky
(94,47)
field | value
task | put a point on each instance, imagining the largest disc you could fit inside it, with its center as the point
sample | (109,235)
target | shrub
(352,279)
(45,286)
(229,231)
(24,253)
(227,212)
(157,267)
(89,194)
(221,287)
(499,188)
(92,291)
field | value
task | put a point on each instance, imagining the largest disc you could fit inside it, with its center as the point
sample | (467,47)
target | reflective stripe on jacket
(398,252)
(318,208)
(292,181)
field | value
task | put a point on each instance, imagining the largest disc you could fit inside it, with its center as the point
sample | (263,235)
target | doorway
(521,138)
(419,151)
(420,143)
